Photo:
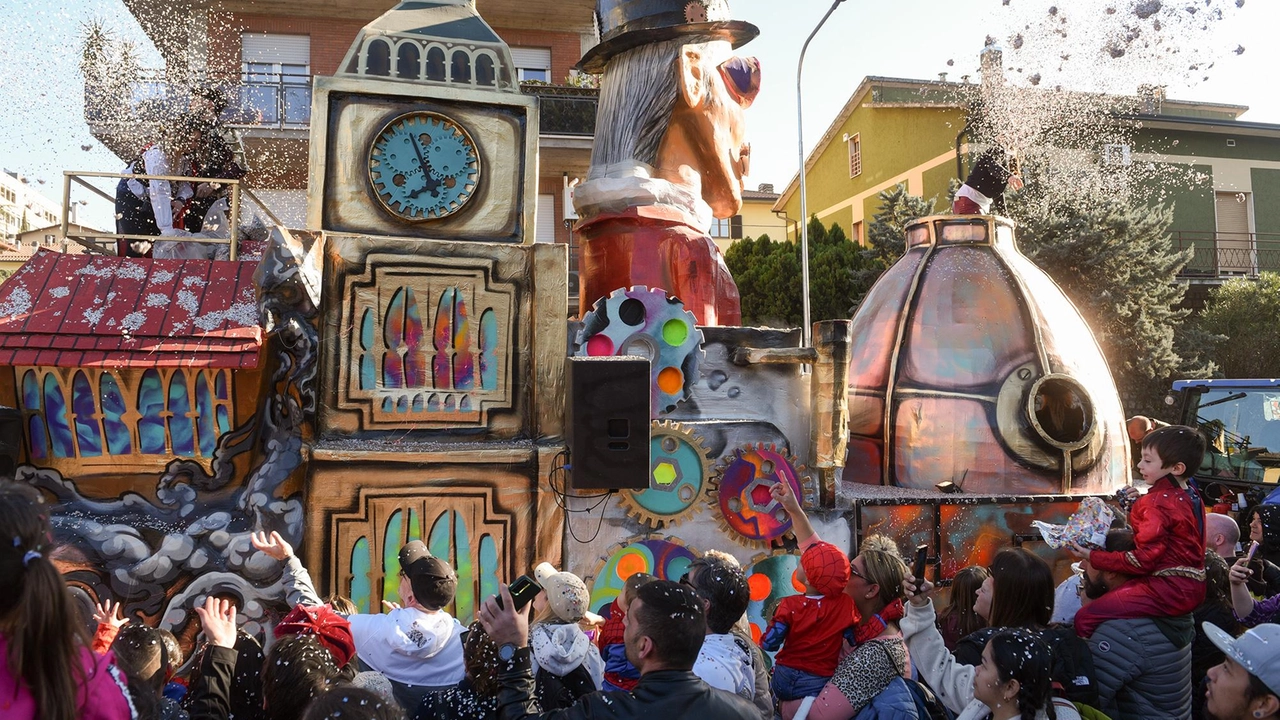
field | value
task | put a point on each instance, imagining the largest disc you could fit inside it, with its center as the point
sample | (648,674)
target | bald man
(1221,534)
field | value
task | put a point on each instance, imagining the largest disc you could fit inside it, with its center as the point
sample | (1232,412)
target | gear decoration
(743,492)
(423,166)
(665,559)
(679,474)
(769,579)
(646,322)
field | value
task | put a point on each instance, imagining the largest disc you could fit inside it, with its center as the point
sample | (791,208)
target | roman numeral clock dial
(423,166)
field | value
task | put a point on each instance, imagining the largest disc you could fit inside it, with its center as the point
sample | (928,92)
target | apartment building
(23,208)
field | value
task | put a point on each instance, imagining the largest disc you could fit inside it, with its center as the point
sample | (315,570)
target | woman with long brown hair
(47,670)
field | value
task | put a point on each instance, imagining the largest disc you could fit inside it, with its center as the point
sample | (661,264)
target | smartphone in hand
(918,568)
(523,590)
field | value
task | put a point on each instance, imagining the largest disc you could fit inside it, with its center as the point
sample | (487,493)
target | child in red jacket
(1168,527)
(619,673)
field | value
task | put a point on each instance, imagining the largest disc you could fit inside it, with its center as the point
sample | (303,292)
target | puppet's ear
(691,71)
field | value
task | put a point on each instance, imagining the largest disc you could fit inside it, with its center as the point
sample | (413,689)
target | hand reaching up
(218,617)
(108,613)
(272,545)
(786,497)
(919,592)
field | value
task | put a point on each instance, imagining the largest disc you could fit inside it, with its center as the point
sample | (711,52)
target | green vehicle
(1241,419)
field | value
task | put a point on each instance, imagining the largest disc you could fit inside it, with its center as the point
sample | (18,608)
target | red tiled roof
(97,311)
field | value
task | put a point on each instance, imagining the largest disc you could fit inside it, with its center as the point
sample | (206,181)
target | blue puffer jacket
(1144,669)
(895,702)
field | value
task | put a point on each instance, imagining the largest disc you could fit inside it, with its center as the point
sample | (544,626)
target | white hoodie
(562,648)
(411,646)
(723,663)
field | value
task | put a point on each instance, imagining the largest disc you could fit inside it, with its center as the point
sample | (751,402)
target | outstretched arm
(299,590)
(800,524)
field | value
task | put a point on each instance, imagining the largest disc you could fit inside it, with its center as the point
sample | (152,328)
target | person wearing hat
(1246,686)
(417,645)
(994,172)
(665,627)
(669,152)
(809,630)
(566,664)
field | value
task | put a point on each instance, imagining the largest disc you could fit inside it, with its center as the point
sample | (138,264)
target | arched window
(220,391)
(181,429)
(435,64)
(151,406)
(393,340)
(378,58)
(488,337)
(35,426)
(484,70)
(408,61)
(415,357)
(88,433)
(391,544)
(360,569)
(460,70)
(113,410)
(207,431)
(463,364)
(367,368)
(55,413)
(442,365)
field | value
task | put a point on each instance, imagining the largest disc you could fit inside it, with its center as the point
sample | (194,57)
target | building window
(545,231)
(728,228)
(532,64)
(855,154)
(1116,154)
(275,75)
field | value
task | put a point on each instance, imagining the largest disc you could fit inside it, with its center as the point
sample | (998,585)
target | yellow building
(756,218)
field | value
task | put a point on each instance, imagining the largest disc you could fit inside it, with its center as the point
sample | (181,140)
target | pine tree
(887,233)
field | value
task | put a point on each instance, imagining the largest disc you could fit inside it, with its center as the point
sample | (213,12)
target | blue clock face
(423,166)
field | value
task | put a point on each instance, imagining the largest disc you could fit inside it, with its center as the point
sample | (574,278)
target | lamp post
(807,329)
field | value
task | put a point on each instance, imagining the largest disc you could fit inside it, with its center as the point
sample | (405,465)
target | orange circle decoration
(795,582)
(670,380)
(760,585)
(755,633)
(629,564)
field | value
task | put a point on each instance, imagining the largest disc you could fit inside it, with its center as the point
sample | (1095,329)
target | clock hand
(429,183)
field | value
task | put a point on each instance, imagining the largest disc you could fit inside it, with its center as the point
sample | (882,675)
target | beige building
(755,219)
(18,250)
(22,208)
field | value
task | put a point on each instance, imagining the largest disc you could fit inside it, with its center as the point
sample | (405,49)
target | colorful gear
(742,491)
(646,322)
(679,474)
(666,559)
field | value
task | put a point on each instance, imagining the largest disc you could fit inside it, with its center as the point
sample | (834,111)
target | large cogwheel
(646,322)
(743,493)
(679,475)
(450,152)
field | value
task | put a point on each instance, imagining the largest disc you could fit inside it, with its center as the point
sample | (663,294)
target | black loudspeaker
(607,422)
(11,441)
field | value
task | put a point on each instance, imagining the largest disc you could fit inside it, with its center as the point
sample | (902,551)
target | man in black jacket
(663,632)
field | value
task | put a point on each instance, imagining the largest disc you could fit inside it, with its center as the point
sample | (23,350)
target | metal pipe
(806,328)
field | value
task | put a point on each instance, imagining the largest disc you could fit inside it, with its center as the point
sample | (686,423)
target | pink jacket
(102,696)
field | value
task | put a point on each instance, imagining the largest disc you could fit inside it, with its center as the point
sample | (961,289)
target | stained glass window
(88,432)
(113,410)
(55,413)
(35,426)
(181,428)
(151,407)
(207,432)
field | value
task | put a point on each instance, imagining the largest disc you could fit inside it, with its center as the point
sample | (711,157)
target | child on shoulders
(1168,527)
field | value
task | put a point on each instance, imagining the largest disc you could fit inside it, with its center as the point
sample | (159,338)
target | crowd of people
(1140,630)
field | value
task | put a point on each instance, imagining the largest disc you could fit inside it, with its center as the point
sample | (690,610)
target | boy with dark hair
(417,645)
(1168,530)
(298,668)
(725,660)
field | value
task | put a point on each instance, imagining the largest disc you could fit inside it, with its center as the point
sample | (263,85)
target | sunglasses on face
(742,78)
(854,571)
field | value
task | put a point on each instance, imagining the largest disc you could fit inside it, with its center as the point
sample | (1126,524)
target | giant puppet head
(670,125)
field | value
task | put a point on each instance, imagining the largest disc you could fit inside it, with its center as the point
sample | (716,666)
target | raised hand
(920,591)
(273,545)
(218,617)
(108,613)
(1240,572)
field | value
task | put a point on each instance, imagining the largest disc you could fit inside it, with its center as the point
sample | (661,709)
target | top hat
(627,24)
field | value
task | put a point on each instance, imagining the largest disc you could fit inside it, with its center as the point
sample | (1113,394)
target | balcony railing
(565,110)
(1226,254)
(263,100)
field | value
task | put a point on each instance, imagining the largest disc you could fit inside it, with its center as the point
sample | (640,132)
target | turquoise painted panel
(39,441)
(438,538)
(151,407)
(391,557)
(361,570)
(464,602)
(35,430)
(113,409)
(182,430)
(488,350)
(488,569)
(55,412)
(88,434)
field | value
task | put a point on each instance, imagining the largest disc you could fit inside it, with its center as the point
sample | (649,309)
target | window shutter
(532,58)
(545,232)
(855,155)
(271,48)
(735,227)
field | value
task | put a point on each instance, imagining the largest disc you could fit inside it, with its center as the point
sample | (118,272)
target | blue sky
(42,128)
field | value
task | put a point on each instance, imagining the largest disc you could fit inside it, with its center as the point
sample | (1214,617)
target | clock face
(423,166)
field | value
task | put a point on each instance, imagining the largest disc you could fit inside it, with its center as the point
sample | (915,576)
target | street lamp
(807,329)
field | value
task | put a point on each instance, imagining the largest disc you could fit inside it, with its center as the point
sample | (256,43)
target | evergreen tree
(1117,264)
(1242,314)
(887,233)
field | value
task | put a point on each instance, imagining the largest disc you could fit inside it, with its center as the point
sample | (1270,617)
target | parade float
(402,367)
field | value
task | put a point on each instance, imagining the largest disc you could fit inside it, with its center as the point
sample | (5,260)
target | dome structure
(971,366)
(432,42)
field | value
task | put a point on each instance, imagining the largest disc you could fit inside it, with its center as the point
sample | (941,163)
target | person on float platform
(664,630)
(417,646)
(1246,686)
